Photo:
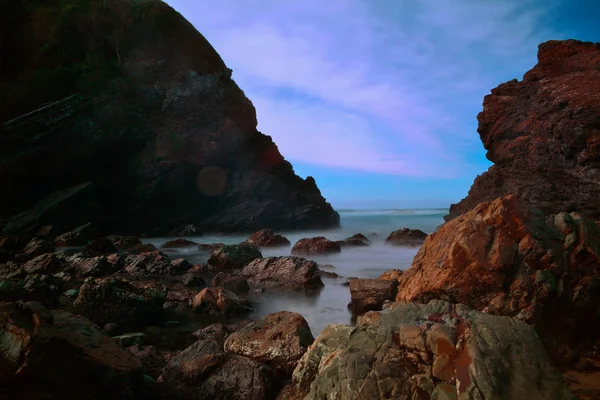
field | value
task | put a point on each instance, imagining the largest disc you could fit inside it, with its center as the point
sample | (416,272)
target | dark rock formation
(369,294)
(406,237)
(507,258)
(231,282)
(234,256)
(127,117)
(358,240)
(178,244)
(294,273)
(79,236)
(219,301)
(55,354)
(278,340)
(267,238)
(314,246)
(433,351)
(543,135)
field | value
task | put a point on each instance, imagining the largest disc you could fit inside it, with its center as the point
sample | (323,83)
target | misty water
(329,306)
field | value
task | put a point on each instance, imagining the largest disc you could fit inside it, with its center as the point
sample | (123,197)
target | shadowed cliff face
(543,134)
(148,113)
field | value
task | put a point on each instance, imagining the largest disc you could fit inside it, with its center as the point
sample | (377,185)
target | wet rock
(233,256)
(210,247)
(218,332)
(507,258)
(278,340)
(430,351)
(38,246)
(130,339)
(231,282)
(267,238)
(328,274)
(110,300)
(369,294)
(203,371)
(193,280)
(155,263)
(178,244)
(100,246)
(179,266)
(358,240)
(391,275)
(48,263)
(91,266)
(283,273)
(314,246)
(55,354)
(219,301)
(152,360)
(124,242)
(406,237)
(79,236)
(142,248)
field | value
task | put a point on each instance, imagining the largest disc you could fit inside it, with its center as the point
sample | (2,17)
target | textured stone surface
(507,258)
(315,245)
(219,301)
(284,273)
(55,354)
(542,134)
(231,282)
(369,294)
(267,238)
(433,351)
(234,256)
(167,137)
(178,244)
(278,340)
(406,237)
(110,300)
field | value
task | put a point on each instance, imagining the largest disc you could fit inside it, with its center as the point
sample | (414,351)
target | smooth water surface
(329,306)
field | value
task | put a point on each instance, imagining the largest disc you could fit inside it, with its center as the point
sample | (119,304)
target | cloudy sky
(377,99)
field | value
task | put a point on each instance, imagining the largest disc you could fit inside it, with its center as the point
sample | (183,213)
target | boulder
(541,133)
(79,236)
(507,258)
(155,263)
(209,247)
(219,332)
(283,273)
(142,248)
(38,246)
(406,237)
(100,246)
(437,351)
(203,371)
(178,244)
(55,354)
(48,263)
(278,340)
(231,282)
(234,256)
(267,238)
(391,275)
(152,360)
(369,294)
(219,301)
(92,266)
(193,280)
(315,246)
(110,300)
(358,240)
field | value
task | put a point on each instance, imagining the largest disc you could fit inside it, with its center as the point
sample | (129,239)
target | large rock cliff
(543,134)
(128,101)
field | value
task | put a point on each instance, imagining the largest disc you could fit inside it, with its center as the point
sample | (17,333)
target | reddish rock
(369,294)
(152,360)
(278,340)
(99,246)
(92,266)
(506,258)
(48,263)
(77,237)
(124,242)
(267,238)
(155,263)
(210,246)
(38,246)
(231,282)
(283,273)
(233,256)
(358,240)
(179,266)
(542,134)
(55,354)
(110,300)
(219,332)
(193,280)
(392,274)
(203,371)
(142,248)
(406,237)
(314,246)
(178,244)
(219,301)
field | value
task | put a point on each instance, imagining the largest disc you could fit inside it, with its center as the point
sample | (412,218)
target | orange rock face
(506,258)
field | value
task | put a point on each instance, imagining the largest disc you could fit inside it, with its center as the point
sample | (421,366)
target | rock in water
(542,134)
(219,301)
(507,258)
(150,118)
(437,351)
(406,237)
(267,238)
(294,273)
(234,256)
(369,294)
(55,354)
(315,245)
(278,340)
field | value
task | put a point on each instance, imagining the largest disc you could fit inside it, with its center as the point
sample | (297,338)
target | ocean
(329,306)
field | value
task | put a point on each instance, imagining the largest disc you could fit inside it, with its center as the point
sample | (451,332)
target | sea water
(329,305)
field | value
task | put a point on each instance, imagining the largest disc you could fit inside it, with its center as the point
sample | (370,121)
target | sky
(377,99)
